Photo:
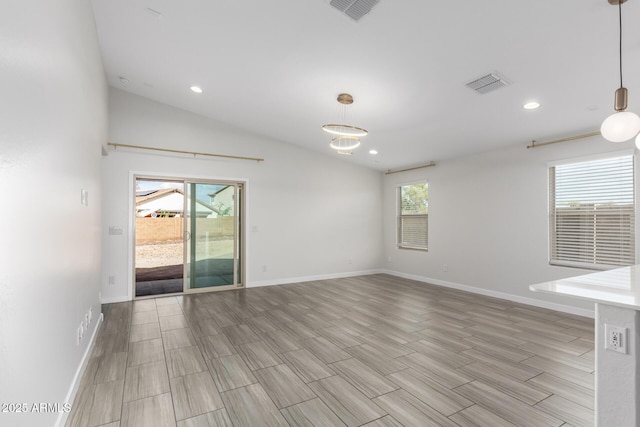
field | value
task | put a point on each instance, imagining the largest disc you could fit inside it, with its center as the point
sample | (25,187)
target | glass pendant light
(622,125)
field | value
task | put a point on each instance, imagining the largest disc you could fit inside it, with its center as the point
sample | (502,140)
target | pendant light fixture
(345,137)
(622,125)
(344,143)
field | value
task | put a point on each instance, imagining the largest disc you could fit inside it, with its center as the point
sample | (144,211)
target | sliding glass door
(213,239)
(188,235)
(159,237)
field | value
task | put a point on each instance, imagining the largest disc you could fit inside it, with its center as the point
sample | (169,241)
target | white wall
(307,215)
(54,119)
(488,221)
(488,212)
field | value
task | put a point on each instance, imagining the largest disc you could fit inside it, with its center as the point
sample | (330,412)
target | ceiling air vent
(354,9)
(488,83)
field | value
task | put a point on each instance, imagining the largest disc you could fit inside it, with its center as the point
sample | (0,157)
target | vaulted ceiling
(276,67)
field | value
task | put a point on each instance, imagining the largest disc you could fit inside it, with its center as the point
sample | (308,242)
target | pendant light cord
(620,39)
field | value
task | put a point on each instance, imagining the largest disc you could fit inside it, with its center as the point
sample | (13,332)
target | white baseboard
(71,395)
(502,295)
(273,282)
(115,299)
(255,284)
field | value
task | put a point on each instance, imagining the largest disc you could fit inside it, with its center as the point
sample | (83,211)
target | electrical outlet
(79,335)
(112,280)
(264,268)
(616,338)
(90,314)
(445,268)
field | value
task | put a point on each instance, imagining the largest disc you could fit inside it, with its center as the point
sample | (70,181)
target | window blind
(592,213)
(413,218)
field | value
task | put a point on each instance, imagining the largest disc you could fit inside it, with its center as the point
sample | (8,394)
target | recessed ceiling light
(373,152)
(196,89)
(531,105)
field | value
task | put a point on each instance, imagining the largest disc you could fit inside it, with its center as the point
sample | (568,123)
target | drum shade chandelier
(622,125)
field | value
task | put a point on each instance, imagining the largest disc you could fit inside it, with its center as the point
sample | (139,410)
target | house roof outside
(168,200)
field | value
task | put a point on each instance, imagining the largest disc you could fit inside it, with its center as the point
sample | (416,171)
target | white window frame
(550,209)
(399,217)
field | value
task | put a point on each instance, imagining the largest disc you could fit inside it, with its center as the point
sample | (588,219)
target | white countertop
(619,287)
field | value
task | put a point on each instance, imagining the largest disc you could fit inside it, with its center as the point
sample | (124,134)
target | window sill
(413,248)
(585,266)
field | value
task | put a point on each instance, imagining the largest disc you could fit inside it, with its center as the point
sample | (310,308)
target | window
(592,215)
(413,215)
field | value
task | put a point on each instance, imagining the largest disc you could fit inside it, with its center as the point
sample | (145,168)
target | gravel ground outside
(171,253)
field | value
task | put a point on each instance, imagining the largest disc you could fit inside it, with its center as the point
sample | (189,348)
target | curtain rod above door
(194,153)
(428,165)
(535,144)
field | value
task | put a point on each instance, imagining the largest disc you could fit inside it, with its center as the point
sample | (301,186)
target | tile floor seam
(386,339)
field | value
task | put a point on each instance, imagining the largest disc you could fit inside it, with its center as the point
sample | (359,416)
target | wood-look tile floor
(372,350)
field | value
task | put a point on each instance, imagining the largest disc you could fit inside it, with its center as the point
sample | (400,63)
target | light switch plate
(84,197)
(115,230)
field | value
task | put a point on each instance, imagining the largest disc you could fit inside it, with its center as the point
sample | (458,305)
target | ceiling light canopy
(622,125)
(532,105)
(347,137)
(196,89)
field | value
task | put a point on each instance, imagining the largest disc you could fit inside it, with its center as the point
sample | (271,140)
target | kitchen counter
(619,287)
(616,294)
